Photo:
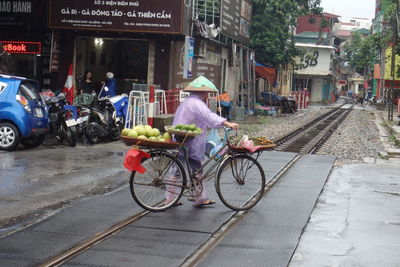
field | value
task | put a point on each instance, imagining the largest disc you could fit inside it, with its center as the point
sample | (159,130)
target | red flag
(68,87)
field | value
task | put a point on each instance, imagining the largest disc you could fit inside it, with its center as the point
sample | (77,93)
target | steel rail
(229,224)
(85,245)
(305,138)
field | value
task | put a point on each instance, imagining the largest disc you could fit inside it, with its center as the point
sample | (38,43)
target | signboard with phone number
(160,16)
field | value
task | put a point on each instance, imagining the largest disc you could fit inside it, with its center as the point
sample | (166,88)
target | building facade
(315,72)
(162,42)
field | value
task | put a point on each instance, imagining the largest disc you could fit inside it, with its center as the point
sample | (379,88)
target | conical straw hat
(200,84)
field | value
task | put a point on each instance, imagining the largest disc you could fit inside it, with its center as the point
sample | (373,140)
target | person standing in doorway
(86,86)
(109,88)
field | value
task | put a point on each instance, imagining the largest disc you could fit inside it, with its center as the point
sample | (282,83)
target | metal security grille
(207,11)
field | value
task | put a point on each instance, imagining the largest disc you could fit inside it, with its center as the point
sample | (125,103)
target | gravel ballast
(354,140)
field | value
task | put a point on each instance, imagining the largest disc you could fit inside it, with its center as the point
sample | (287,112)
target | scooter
(101,124)
(58,118)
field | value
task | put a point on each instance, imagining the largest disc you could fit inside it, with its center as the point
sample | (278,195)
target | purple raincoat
(194,110)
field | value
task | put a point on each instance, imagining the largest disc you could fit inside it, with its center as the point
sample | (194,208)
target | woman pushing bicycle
(194,110)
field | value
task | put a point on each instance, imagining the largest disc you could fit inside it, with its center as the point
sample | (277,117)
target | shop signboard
(22,14)
(189,54)
(208,66)
(316,60)
(22,47)
(158,16)
(236,17)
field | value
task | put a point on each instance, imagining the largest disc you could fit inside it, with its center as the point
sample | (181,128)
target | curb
(390,150)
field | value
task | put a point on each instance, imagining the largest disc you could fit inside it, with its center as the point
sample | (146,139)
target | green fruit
(178,126)
(141,130)
(161,140)
(155,132)
(197,130)
(142,137)
(148,132)
(153,138)
(190,131)
(192,127)
(186,127)
(148,127)
(125,131)
(166,136)
(132,133)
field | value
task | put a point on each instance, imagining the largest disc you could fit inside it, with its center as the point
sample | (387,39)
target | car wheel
(33,141)
(9,136)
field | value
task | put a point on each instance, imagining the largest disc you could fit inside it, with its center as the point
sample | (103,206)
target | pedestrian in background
(360,97)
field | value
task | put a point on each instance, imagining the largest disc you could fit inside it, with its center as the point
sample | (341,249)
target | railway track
(310,137)
(305,140)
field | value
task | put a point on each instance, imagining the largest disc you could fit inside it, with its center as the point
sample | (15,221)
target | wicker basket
(245,150)
(181,133)
(131,141)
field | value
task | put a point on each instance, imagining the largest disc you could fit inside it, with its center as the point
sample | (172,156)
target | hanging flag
(68,87)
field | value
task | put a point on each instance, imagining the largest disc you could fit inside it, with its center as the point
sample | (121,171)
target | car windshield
(28,90)
(2,87)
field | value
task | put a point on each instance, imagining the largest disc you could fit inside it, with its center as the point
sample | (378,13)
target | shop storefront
(25,37)
(132,39)
(127,58)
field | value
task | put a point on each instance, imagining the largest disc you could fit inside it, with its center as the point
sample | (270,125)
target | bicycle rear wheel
(161,185)
(240,182)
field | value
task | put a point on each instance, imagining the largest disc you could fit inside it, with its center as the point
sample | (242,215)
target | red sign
(343,82)
(20,47)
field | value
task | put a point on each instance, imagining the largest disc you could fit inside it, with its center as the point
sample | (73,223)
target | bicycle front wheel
(240,182)
(162,183)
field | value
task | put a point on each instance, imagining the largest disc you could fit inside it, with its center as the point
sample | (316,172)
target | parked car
(23,114)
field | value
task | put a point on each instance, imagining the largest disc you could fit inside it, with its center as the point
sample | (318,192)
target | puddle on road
(22,169)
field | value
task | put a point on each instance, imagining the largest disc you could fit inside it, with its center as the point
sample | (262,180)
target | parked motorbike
(58,118)
(120,104)
(81,120)
(102,122)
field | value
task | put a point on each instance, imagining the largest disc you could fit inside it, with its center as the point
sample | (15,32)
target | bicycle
(240,179)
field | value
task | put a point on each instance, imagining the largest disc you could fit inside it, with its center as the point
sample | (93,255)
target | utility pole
(393,63)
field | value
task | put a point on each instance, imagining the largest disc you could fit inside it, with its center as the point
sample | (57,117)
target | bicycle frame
(218,157)
(224,152)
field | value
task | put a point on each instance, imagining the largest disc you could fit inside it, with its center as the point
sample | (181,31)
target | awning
(266,73)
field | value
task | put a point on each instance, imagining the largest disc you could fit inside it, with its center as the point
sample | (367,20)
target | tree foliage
(362,53)
(359,52)
(272,28)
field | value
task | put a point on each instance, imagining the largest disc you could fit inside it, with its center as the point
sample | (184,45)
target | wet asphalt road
(52,175)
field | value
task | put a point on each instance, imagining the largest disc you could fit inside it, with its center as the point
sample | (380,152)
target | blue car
(23,115)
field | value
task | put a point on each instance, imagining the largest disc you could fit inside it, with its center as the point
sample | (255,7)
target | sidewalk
(356,221)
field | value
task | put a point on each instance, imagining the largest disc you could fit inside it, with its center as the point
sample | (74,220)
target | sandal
(179,203)
(204,202)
